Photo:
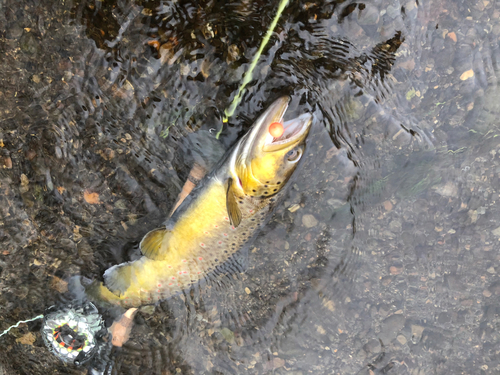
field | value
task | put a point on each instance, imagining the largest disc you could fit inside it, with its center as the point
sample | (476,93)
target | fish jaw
(261,164)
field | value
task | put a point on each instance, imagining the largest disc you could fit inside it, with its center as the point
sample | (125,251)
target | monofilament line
(248,76)
(19,322)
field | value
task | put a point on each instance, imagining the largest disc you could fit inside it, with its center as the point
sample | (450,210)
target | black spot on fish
(254,191)
(265,185)
(279,182)
(275,190)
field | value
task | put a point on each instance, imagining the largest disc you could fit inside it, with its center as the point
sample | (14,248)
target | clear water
(383,258)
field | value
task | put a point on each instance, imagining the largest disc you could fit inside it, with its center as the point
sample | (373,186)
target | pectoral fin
(154,245)
(233,211)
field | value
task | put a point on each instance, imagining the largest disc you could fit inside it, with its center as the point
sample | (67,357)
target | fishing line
(19,322)
(248,76)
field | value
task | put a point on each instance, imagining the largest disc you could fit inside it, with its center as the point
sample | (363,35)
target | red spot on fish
(169,266)
(185,272)
(206,232)
(202,244)
(233,228)
(169,283)
(199,272)
(178,284)
(226,218)
(220,242)
(159,285)
(180,272)
(200,258)
(216,226)
(158,291)
(225,234)
(251,211)
(173,277)
(184,260)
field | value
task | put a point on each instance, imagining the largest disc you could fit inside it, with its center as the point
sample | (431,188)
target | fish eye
(293,155)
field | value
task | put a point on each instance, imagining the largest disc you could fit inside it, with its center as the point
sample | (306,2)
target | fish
(218,219)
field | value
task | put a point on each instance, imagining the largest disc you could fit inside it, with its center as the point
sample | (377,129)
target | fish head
(262,164)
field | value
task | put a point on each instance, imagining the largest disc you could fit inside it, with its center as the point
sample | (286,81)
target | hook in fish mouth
(295,130)
(262,160)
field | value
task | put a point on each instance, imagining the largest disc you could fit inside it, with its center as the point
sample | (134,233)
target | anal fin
(233,211)
(118,278)
(154,245)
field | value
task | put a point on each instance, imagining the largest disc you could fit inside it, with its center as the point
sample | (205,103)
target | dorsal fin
(233,211)
(154,245)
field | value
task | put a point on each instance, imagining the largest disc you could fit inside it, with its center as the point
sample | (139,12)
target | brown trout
(216,220)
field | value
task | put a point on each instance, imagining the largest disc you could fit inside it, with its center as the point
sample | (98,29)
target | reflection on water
(383,256)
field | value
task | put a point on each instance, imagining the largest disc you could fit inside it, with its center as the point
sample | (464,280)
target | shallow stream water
(383,257)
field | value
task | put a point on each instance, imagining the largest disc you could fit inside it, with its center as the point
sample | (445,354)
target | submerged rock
(29,44)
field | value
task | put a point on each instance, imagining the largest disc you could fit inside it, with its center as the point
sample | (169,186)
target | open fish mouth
(294,130)
(259,138)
